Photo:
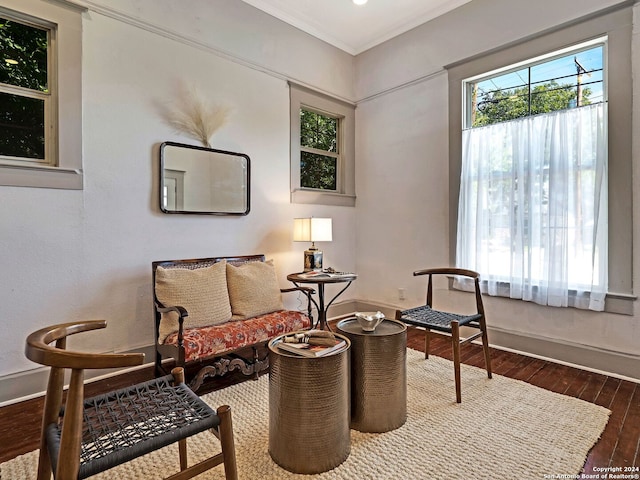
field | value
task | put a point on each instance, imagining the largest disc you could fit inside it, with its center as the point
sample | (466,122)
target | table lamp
(312,230)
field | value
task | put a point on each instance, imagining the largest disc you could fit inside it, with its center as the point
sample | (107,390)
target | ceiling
(355,28)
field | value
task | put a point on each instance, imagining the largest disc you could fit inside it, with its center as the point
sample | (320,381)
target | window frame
(344,195)
(467,99)
(616,24)
(62,168)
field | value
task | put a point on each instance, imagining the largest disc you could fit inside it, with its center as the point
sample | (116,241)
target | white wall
(69,255)
(402,209)
(403,179)
(87,254)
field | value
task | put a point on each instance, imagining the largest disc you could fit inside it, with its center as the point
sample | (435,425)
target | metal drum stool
(378,375)
(308,410)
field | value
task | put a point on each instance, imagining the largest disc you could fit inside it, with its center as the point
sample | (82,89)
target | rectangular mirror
(203,180)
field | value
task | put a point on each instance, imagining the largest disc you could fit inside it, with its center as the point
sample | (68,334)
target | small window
(322,149)
(41,95)
(319,156)
(25,97)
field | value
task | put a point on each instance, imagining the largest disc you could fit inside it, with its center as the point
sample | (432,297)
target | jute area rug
(503,429)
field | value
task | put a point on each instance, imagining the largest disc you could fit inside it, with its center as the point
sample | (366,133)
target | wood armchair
(447,324)
(92,435)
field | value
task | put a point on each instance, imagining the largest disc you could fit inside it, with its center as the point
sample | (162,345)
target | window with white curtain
(532,211)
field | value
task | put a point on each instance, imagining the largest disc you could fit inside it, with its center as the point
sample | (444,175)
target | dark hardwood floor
(618,447)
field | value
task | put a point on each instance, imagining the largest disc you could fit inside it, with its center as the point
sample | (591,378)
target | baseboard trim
(21,386)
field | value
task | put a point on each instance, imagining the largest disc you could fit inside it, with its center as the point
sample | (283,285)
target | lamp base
(312,260)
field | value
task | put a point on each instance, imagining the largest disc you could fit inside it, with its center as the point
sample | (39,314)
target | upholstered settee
(217,312)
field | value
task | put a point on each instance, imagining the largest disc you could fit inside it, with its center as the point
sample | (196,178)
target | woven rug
(503,429)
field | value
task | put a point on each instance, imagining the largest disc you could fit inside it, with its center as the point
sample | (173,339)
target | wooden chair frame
(58,358)
(452,333)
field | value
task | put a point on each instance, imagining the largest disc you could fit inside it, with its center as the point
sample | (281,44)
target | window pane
(318,131)
(317,171)
(23,61)
(21,126)
(571,81)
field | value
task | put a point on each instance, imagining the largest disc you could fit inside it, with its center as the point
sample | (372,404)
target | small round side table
(378,375)
(309,409)
(297,278)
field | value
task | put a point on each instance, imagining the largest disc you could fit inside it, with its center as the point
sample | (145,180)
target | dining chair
(90,435)
(448,324)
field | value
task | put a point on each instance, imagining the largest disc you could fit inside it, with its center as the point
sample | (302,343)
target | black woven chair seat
(425,316)
(133,421)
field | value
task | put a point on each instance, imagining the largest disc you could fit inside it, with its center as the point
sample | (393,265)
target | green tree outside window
(23,63)
(319,150)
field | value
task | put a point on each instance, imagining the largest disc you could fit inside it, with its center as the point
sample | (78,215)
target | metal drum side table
(378,375)
(309,409)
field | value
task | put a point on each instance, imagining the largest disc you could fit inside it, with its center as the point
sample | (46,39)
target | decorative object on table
(327,273)
(195,117)
(369,320)
(312,343)
(312,230)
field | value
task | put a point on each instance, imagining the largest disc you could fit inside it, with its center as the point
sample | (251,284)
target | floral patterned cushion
(218,339)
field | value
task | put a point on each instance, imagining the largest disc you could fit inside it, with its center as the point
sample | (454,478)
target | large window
(40,94)
(322,149)
(532,211)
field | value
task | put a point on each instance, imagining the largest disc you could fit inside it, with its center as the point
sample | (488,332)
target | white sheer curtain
(532,215)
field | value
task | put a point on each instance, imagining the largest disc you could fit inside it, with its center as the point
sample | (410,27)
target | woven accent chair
(89,436)
(448,324)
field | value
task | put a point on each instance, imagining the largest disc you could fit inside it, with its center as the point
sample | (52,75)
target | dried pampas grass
(196,118)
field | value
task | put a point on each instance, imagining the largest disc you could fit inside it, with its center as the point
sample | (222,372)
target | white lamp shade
(312,229)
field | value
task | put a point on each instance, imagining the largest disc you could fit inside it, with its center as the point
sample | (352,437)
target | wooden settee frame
(222,362)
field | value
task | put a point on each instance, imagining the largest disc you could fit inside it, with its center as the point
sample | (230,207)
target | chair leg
(485,346)
(178,377)
(182,452)
(427,341)
(53,400)
(227,443)
(455,342)
(71,438)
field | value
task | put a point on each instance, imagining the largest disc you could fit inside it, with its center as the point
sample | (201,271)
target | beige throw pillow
(253,289)
(202,292)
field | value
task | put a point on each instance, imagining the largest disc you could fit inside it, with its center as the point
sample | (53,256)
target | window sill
(322,198)
(41,177)
(616,303)
(620,303)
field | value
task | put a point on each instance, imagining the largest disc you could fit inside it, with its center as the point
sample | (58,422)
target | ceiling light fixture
(360,2)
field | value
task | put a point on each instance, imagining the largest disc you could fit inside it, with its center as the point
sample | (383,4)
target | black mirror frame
(213,150)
